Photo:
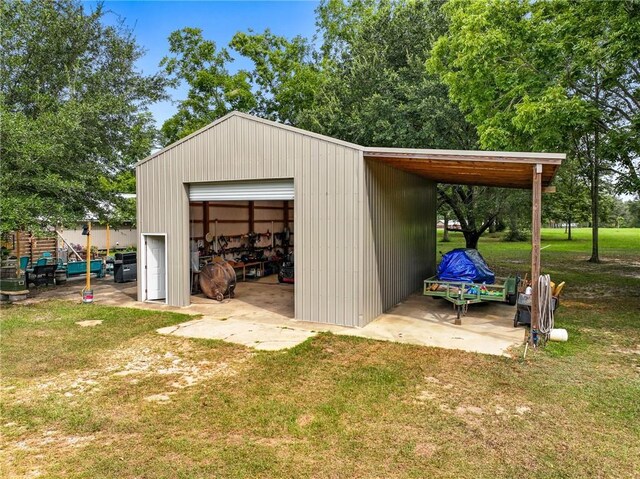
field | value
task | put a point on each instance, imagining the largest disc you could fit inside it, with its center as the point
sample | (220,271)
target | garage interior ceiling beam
(482,168)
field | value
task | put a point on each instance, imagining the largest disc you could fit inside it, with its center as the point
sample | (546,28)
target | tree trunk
(513,227)
(471,239)
(569,229)
(595,219)
(595,185)
(445,234)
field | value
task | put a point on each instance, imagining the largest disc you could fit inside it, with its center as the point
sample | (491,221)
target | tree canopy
(376,90)
(73,110)
(213,91)
(279,87)
(285,75)
(550,76)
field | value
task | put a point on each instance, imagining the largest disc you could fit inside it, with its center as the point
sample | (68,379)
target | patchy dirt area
(454,399)
(169,365)
(89,323)
(140,359)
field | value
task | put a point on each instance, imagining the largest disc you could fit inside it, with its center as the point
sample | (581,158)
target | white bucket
(559,335)
(87,296)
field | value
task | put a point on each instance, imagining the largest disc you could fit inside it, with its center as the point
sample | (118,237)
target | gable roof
(474,167)
(257,119)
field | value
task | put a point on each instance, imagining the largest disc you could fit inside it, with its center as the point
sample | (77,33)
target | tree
(285,76)
(281,84)
(213,91)
(619,217)
(470,205)
(73,110)
(550,76)
(445,211)
(633,207)
(376,90)
(571,201)
(516,210)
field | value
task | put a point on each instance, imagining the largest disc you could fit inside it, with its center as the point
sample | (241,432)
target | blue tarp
(465,265)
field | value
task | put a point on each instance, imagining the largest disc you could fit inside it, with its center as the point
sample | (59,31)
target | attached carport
(533,171)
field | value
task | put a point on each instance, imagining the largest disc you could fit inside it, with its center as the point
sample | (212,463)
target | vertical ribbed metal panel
(327,180)
(398,236)
(326,208)
(163,207)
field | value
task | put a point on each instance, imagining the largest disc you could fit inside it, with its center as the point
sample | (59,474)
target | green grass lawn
(117,400)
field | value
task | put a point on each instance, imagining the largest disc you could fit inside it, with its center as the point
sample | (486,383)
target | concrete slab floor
(261,316)
(486,328)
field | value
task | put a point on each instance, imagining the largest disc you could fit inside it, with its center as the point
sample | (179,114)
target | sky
(153,21)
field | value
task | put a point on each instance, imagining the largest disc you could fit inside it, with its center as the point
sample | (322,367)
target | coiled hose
(545,304)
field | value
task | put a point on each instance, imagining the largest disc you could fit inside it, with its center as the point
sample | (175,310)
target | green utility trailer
(461,294)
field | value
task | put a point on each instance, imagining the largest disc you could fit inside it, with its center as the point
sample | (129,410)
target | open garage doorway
(248,224)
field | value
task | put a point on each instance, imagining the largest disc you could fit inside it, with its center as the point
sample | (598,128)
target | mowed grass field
(118,400)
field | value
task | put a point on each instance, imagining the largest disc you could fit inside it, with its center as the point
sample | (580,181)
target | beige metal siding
(365,232)
(163,208)
(326,177)
(399,236)
(326,240)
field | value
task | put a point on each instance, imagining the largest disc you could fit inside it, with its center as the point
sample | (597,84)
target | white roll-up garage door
(281,189)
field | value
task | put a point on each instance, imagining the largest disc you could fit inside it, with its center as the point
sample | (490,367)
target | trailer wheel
(515,319)
(512,299)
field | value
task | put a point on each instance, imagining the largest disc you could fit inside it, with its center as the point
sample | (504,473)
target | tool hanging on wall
(223,243)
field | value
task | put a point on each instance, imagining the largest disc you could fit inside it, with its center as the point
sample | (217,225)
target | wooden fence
(30,245)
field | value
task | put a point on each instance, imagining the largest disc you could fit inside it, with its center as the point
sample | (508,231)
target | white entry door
(156,274)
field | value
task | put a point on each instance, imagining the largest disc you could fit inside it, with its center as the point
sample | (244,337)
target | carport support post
(536,220)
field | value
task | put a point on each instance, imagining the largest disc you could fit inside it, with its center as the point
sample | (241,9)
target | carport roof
(471,167)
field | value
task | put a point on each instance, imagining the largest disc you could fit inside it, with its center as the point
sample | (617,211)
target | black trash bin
(125,268)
